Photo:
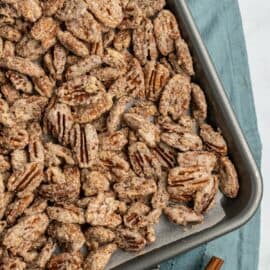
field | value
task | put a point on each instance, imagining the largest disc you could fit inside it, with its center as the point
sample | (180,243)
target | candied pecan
(46,253)
(10,33)
(22,65)
(183,56)
(213,139)
(98,259)
(38,206)
(72,44)
(178,194)
(44,85)
(56,61)
(115,164)
(49,7)
(197,158)
(29,48)
(161,197)
(151,7)
(14,138)
(20,81)
(106,215)
(45,30)
(26,181)
(108,38)
(114,59)
(132,83)
(83,66)
(185,124)
(5,199)
(144,43)
(187,180)
(182,215)
(107,74)
(29,109)
(228,179)
(67,261)
(175,98)
(8,49)
(115,117)
(142,160)
(149,233)
(166,31)
(98,105)
(109,12)
(115,141)
(199,105)
(164,154)
(144,108)
(205,197)
(145,129)
(17,208)
(18,159)
(122,40)
(183,142)
(156,77)
(84,141)
(66,213)
(130,240)
(99,234)
(10,263)
(80,90)
(84,27)
(68,234)
(55,153)
(8,13)
(71,9)
(133,16)
(136,215)
(24,233)
(30,9)
(6,117)
(60,122)
(67,190)
(4,166)
(97,46)
(136,187)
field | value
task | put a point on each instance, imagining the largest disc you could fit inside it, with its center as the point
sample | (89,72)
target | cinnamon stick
(214,264)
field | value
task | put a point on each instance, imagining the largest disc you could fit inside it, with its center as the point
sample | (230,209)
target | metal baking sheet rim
(183,14)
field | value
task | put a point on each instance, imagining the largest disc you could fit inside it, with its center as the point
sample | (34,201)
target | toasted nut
(22,65)
(228,179)
(182,215)
(98,259)
(166,31)
(199,105)
(213,140)
(109,12)
(175,97)
(144,43)
(72,44)
(84,141)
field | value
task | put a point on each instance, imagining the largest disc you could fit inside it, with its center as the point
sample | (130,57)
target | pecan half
(228,179)
(175,98)
(166,31)
(213,139)
(84,141)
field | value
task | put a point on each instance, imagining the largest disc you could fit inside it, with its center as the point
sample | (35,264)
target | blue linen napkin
(219,22)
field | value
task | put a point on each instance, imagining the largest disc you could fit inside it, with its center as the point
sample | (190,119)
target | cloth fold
(220,25)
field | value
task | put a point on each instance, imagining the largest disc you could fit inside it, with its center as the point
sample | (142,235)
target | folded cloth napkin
(219,22)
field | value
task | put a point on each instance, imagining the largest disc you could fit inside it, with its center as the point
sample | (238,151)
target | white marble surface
(256,22)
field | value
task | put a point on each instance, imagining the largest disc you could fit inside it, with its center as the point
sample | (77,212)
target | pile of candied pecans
(101,131)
